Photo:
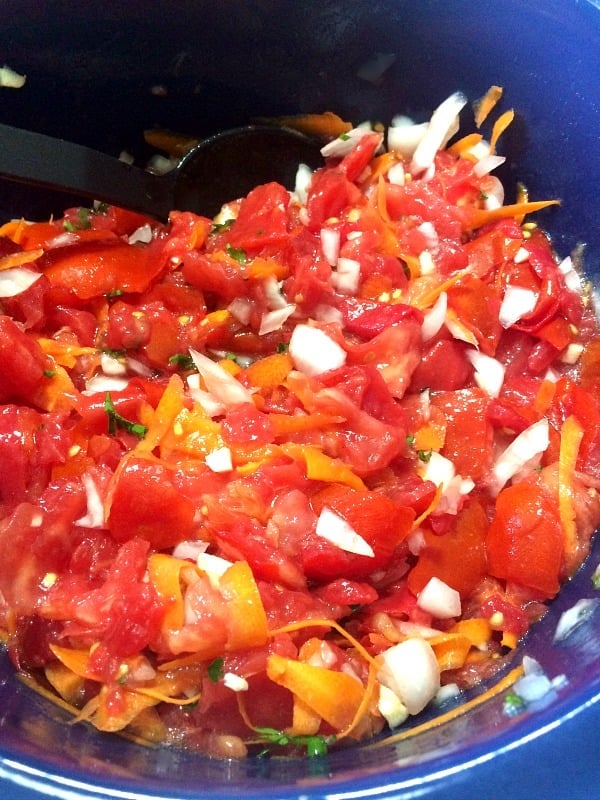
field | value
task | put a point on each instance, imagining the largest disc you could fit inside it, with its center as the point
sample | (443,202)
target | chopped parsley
(315,746)
(425,455)
(182,360)
(114,293)
(410,440)
(514,704)
(49,373)
(237,254)
(215,670)
(282,347)
(82,223)
(218,227)
(596,579)
(115,420)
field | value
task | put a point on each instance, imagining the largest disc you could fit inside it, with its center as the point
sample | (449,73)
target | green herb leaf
(49,373)
(424,455)
(215,670)
(183,361)
(114,293)
(410,440)
(237,254)
(316,746)
(222,226)
(596,579)
(115,420)
(283,347)
(514,704)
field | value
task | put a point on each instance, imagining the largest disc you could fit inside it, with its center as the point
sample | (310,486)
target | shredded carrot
(500,126)
(502,685)
(270,371)
(485,104)
(430,508)
(477,217)
(327,125)
(570,441)
(19,259)
(363,708)
(318,622)
(460,147)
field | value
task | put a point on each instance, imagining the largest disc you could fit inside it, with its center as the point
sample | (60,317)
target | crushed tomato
(198,548)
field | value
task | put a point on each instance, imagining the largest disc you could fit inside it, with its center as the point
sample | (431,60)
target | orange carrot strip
(500,126)
(485,104)
(477,217)
(570,441)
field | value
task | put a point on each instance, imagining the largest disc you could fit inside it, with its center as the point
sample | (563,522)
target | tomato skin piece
(477,306)
(469,435)
(458,556)
(22,363)
(145,503)
(93,269)
(525,542)
(329,194)
(443,367)
(245,424)
(380,521)
(262,219)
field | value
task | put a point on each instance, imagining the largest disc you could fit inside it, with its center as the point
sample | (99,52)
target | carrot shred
(460,147)
(477,217)
(485,104)
(570,441)
(500,126)
(19,259)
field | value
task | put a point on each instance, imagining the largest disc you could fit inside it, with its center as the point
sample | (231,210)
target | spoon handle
(34,158)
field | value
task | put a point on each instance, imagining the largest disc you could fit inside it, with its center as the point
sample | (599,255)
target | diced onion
(325,313)
(189,550)
(410,669)
(489,372)
(345,143)
(391,708)
(570,274)
(142,235)
(16,280)
(439,599)
(9,79)
(273,320)
(235,682)
(223,386)
(273,293)
(208,403)
(337,531)
(528,446)
(330,245)
(442,126)
(573,617)
(241,309)
(347,276)
(313,351)
(434,318)
(214,567)
(65,239)
(111,365)
(521,255)
(516,302)
(219,460)
(396,174)
(404,136)
(487,164)
(94,516)
(302,183)
(105,383)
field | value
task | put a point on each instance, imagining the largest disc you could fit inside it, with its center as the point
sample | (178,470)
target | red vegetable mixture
(271,480)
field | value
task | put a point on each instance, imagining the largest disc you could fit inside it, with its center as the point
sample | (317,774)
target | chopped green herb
(514,704)
(113,353)
(237,254)
(83,221)
(315,746)
(49,373)
(114,293)
(182,360)
(282,347)
(115,420)
(222,226)
(215,670)
(101,208)
(596,579)
(424,455)
(344,137)
(410,440)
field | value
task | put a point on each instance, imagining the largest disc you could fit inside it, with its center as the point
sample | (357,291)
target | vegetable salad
(277,480)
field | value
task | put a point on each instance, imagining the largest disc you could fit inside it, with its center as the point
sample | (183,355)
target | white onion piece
(138,368)
(572,353)
(111,365)
(337,531)
(273,293)
(330,245)
(527,446)
(15,280)
(9,79)
(432,240)
(208,403)
(439,599)
(487,164)
(302,183)
(241,309)
(521,255)
(219,460)
(345,143)
(105,383)
(94,516)
(570,275)
(396,175)
(434,318)
(410,669)
(426,263)
(442,126)
(347,276)
(142,235)
(391,708)
(223,386)
(489,372)
(404,136)
(213,567)
(235,682)
(516,302)
(446,692)
(190,549)
(573,617)
(65,239)
(313,351)
(273,320)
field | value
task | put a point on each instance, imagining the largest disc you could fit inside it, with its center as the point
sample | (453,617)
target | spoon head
(228,165)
